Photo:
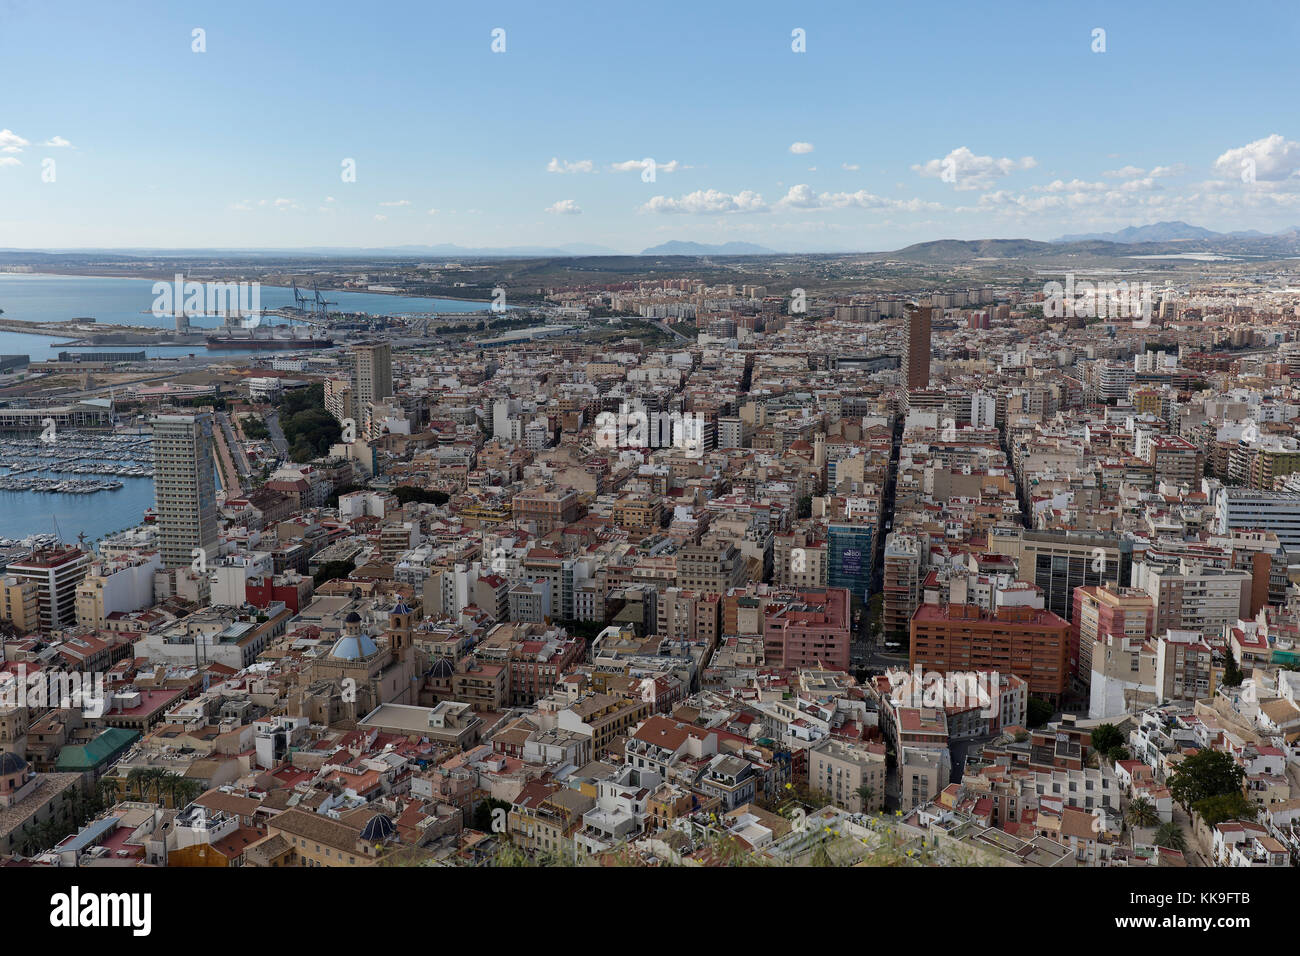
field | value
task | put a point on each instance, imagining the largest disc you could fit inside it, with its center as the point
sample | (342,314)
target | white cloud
(967,171)
(565,207)
(799,197)
(281,204)
(707,201)
(803,197)
(56,141)
(1080,187)
(1124,172)
(636,165)
(379,218)
(10,161)
(11,142)
(397,202)
(851,167)
(800,149)
(329,199)
(557,165)
(433,212)
(1275,159)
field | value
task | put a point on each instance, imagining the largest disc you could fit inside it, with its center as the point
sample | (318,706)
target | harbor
(43,465)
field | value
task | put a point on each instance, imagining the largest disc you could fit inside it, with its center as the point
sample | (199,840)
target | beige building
(21,605)
(372,375)
(922,773)
(840,769)
(602,717)
(710,568)
(799,561)
(338,398)
(29,800)
(55,572)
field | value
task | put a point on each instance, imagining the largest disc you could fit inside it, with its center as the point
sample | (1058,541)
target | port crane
(299,298)
(322,304)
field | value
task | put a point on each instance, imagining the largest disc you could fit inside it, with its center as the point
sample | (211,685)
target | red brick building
(293,589)
(807,627)
(1031,643)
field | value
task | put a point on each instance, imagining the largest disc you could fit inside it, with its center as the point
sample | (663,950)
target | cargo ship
(269,337)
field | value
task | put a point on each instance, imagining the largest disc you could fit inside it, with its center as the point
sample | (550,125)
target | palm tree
(156,778)
(1170,836)
(865,793)
(106,792)
(1140,812)
(183,790)
(135,779)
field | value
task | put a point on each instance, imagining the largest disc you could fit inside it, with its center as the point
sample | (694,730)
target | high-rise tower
(916,346)
(185,489)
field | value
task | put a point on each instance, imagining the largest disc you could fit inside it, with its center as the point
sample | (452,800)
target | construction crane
(322,304)
(299,298)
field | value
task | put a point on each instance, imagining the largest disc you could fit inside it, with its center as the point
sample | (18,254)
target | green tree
(1140,812)
(1106,738)
(483,813)
(1170,836)
(1206,773)
(106,792)
(1232,674)
(1228,806)
(1038,712)
(183,790)
(331,570)
(309,429)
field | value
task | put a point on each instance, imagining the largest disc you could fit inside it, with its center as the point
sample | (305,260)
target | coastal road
(236,448)
(222,450)
(277,434)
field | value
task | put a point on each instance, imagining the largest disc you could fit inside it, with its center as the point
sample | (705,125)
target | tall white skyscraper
(185,487)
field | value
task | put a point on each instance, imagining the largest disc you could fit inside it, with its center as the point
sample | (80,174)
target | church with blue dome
(364,671)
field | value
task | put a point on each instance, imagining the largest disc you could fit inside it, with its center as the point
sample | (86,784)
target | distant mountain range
(1160,240)
(1175,231)
(677,247)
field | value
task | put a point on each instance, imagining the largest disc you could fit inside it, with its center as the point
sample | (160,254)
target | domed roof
(353,647)
(352,618)
(11,763)
(378,829)
(441,667)
(401,608)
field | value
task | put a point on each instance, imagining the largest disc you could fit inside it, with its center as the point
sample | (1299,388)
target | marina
(40,465)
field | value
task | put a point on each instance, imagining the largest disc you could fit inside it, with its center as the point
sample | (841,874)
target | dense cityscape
(677,574)
(690,442)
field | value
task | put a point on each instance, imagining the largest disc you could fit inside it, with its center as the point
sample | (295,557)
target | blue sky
(900,122)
